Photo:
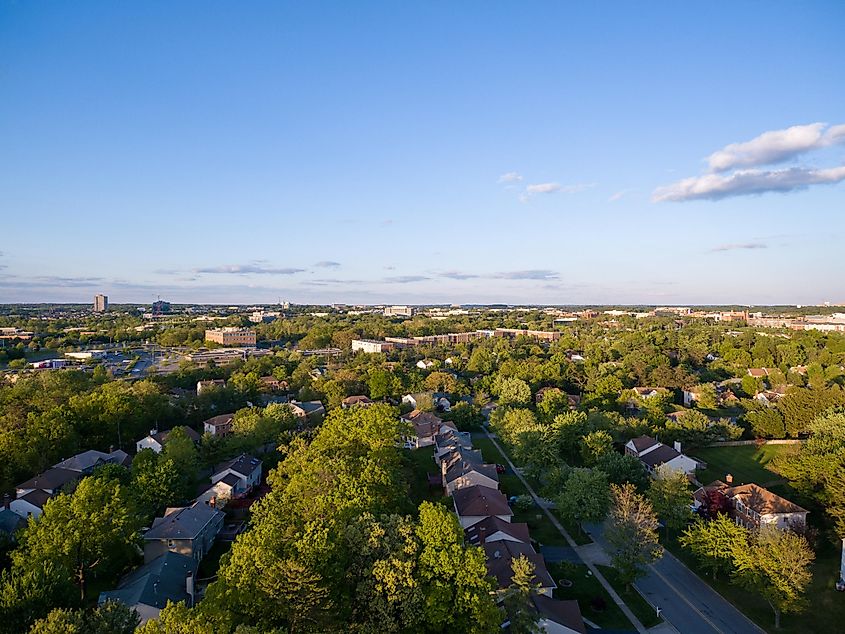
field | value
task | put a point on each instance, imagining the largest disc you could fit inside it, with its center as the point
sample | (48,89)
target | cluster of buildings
(391,343)
(487,518)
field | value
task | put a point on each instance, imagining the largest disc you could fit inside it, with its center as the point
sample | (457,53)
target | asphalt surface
(686,601)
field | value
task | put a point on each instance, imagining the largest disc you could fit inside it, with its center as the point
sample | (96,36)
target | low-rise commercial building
(231,336)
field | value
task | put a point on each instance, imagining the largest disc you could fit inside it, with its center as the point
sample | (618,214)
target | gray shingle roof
(243,464)
(154,583)
(182,523)
(52,479)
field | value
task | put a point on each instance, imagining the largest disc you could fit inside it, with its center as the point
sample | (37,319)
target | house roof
(358,399)
(642,391)
(182,523)
(461,469)
(37,497)
(52,479)
(470,456)
(244,464)
(663,453)
(480,501)
(566,613)
(231,479)
(417,416)
(757,372)
(643,442)
(9,521)
(155,583)
(309,407)
(220,421)
(501,554)
(493,525)
(161,437)
(87,460)
(762,500)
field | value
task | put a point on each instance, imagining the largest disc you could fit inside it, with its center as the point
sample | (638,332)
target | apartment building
(101,303)
(231,336)
(371,345)
(398,311)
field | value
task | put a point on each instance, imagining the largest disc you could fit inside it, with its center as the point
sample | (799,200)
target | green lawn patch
(641,608)
(745,463)
(594,601)
(418,464)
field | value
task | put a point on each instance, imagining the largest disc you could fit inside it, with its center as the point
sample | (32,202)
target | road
(686,601)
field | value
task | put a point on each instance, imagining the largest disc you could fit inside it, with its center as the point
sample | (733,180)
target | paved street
(686,601)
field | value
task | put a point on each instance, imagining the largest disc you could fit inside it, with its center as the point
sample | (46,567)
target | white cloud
(510,177)
(745,182)
(245,269)
(776,146)
(619,195)
(543,188)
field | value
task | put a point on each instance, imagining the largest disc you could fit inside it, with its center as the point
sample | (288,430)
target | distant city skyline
(542,153)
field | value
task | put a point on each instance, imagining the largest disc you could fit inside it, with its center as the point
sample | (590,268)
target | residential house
(272,384)
(758,373)
(466,474)
(476,503)
(219,425)
(307,409)
(147,589)
(753,506)
(243,472)
(425,364)
(500,556)
(30,504)
(459,455)
(50,481)
(558,617)
(493,529)
(217,494)
(655,455)
(356,401)
(449,440)
(156,439)
(87,461)
(210,384)
(10,521)
(188,530)
(425,427)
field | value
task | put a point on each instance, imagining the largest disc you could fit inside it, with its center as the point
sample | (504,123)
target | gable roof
(182,523)
(762,500)
(220,421)
(161,437)
(493,525)
(501,554)
(642,443)
(480,501)
(461,469)
(309,407)
(244,465)
(37,497)
(663,453)
(52,479)
(565,613)
(87,460)
(455,456)
(9,521)
(358,399)
(155,583)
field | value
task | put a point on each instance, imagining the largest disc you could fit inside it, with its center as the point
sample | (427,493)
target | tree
(631,533)
(585,497)
(110,618)
(670,496)
(776,565)
(622,468)
(95,528)
(595,445)
(29,594)
(706,396)
(156,482)
(513,392)
(713,542)
(517,598)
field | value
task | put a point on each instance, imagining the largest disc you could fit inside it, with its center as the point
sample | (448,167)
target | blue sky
(525,152)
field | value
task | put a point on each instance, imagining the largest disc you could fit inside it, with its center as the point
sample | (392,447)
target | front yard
(747,463)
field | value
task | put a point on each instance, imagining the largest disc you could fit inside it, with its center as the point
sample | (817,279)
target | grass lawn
(825,611)
(418,464)
(588,592)
(641,608)
(745,463)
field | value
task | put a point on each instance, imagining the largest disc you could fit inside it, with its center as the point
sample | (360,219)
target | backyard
(746,463)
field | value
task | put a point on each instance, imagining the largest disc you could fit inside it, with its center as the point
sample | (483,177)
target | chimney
(482,532)
(7,501)
(189,588)
(111,448)
(213,502)
(729,479)
(678,446)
